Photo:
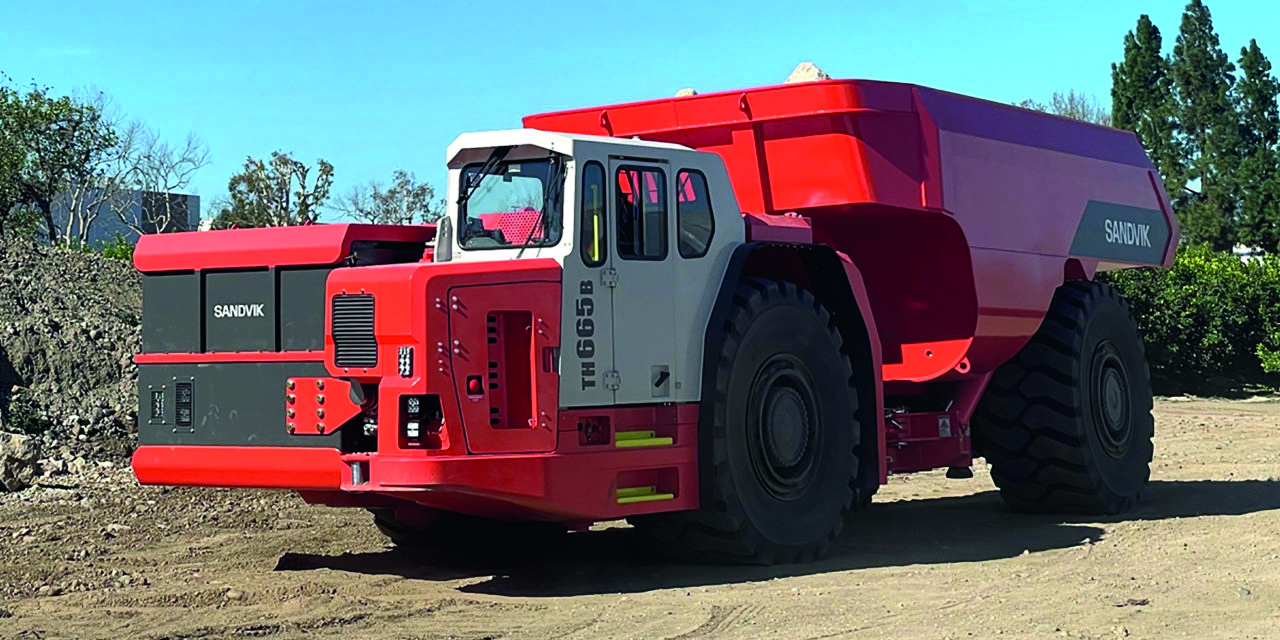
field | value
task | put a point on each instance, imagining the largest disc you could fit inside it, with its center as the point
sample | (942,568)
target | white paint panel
(643,302)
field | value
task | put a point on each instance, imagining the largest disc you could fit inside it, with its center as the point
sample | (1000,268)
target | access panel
(505,341)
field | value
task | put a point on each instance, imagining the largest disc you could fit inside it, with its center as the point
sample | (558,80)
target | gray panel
(302,309)
(1121,233)
(234,404)
(240,311)
(171,313)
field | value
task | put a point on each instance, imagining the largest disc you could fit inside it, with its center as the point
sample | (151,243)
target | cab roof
(473,147)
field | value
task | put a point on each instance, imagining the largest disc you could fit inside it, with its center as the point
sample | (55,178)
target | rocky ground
(68,332)
(93,555)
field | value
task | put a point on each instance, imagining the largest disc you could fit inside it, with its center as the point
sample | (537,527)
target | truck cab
(642,230)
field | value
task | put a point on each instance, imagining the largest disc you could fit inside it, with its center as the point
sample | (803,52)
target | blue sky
(373,86)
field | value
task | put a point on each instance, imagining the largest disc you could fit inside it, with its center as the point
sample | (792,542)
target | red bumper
(568,487)
(249,467)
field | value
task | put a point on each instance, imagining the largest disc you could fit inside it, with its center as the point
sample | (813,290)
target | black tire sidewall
(789,326)
(1124,476)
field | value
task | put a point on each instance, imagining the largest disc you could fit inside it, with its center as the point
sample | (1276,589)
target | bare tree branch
(162,173)
(406,201)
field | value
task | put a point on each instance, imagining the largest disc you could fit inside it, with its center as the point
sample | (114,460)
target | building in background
(126,214)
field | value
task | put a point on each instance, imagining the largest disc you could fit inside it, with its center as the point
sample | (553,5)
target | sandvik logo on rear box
(1121,233)
(238,311)
(1128,233)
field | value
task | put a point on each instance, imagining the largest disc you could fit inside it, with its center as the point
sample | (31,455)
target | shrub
(21,224)
(118,248)
(1211,323)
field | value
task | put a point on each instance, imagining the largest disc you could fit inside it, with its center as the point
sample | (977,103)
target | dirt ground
(96,556)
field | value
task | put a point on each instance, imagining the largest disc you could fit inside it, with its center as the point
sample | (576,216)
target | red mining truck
(725,317)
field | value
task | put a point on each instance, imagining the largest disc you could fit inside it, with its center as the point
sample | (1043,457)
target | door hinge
(609,277)
(612,380)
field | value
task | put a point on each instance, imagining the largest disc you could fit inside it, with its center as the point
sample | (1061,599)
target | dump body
(963,215)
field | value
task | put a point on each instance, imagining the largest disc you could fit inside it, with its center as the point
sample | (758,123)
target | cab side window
(642,213)
(594,247)
(693,214)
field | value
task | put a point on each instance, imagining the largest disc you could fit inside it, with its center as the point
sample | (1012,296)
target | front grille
(354,344)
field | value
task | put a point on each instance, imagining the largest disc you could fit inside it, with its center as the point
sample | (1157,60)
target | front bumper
(578,486)
(245,467)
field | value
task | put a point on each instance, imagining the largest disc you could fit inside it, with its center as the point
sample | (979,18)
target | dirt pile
(69,326)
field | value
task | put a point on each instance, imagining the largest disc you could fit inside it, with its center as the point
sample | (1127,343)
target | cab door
(586,345)
(640,279)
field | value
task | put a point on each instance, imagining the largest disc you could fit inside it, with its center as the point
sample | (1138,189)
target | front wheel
(1066,424)
(782,436)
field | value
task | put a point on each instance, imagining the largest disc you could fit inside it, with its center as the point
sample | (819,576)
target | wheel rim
(784,428)
(1112,413)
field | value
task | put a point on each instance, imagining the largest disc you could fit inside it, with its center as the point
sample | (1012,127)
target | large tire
(1066,424)
(782,464)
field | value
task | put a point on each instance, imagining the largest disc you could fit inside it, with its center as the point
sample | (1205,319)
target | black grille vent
(354,344)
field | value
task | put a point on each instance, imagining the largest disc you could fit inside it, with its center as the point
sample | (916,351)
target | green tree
(226,215)
(406,201)
(1142,102)
(1258,178)
(12,160)
(1203,79)
(275,193)
(46,144)
(1078,106)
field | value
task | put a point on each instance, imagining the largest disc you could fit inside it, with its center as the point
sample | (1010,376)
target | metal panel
(232,403)
(1121,233)
(354,342)
(643,301)
(302,309)
(240,311)
(586,307)
(171,313)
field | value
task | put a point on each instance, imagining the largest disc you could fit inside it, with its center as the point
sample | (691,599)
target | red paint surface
(250,467)
(516,411)
(317,406)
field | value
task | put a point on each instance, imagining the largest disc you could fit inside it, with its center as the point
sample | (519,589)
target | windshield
(513,203)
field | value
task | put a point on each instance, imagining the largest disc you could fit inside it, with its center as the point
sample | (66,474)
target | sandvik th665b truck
(724,317)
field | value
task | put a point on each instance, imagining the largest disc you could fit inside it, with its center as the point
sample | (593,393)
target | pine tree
(1142,102)
(1259,174)
(1207,120)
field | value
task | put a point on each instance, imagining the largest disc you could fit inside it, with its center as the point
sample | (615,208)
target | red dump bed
(964,214)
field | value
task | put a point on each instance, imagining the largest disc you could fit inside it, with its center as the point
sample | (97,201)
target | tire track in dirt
(722,620)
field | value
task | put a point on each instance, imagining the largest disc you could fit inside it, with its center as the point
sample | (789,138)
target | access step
(632,495)
(629,439)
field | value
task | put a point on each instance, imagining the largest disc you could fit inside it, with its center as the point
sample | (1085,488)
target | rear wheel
(1066,425)
(782,440)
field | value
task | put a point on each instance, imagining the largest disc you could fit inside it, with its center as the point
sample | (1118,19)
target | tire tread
(1029,418)
(721,532)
